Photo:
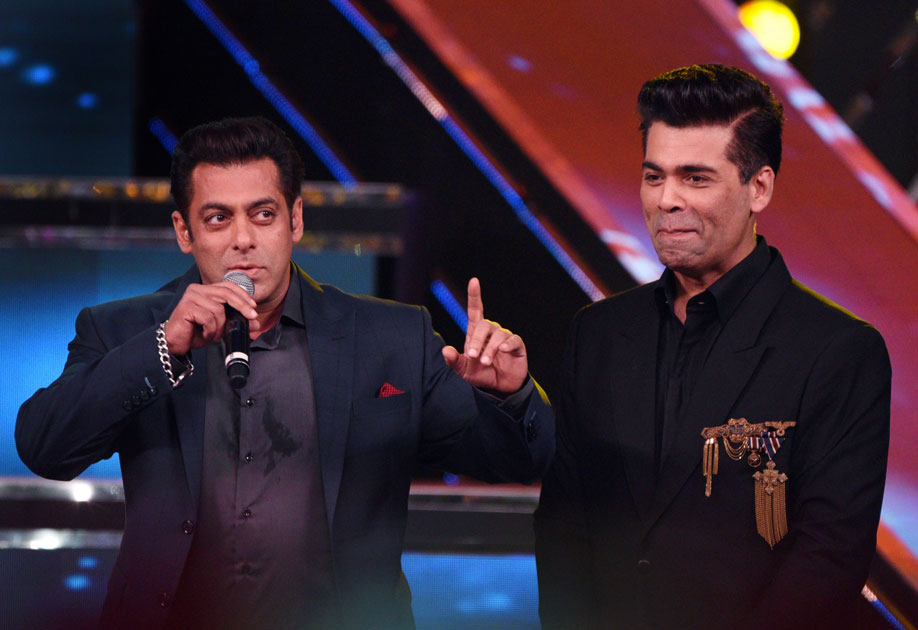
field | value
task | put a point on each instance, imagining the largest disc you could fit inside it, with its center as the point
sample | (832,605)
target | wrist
(177,368)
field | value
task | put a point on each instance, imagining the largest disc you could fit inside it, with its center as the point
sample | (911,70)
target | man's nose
(670,198)
(244,235)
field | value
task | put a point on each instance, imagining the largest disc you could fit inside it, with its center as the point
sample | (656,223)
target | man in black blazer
(722,432)
(279,502)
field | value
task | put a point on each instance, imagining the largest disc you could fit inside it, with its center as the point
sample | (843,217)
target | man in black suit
(280,503)
(722,432)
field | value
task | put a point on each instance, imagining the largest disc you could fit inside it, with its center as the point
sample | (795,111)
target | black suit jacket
(114,397)
(619,546)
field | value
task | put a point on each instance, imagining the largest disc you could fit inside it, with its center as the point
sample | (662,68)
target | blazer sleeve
(464,432)
(839,469)
(76,420)
(562,546)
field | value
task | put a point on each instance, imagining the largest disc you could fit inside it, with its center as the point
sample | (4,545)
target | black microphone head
(238,373)
(237,277)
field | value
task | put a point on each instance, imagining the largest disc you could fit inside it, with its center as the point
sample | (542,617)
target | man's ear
(296,219)
(182,232)
(761,188)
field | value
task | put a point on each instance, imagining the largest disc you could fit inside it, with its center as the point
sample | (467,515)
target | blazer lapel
(634,400)
(188,400)
(330,335)
(729,366)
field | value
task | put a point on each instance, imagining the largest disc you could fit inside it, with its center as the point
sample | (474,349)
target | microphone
(236,334)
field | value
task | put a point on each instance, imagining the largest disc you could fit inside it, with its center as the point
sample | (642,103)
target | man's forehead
(217,183)
(689,145)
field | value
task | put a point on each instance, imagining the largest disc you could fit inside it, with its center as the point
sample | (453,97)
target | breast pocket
(378,424)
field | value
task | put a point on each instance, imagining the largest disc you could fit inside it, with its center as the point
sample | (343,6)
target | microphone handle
(236,342)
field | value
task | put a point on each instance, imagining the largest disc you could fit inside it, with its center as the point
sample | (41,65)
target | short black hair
(235,141)
(713,94)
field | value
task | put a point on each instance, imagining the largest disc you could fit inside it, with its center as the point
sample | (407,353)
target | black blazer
(114,397)
(620,547)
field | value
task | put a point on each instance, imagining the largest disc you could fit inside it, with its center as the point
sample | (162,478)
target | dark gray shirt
(261,553)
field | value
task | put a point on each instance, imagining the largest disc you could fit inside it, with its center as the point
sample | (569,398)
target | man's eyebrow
(264,201)
(681,169)
(695,168)
(216,205)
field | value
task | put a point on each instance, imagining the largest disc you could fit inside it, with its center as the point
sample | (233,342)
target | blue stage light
(450,479)
(77,582)
(450,303)
(465,143)
(88,562)
(8,56)
(87,100)
(283,106)
(519,63)
(39,74)
(166,138)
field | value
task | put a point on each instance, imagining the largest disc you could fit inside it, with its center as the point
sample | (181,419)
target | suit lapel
(189,399)
(330,335)
(634,399)
(727,370)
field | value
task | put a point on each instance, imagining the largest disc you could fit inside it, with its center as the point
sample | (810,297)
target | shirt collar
(730,289)
(291,315)
(293,303)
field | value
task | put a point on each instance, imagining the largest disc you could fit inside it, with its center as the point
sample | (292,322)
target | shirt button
(249,402)
(643,566)
(249,457)
(246,513)
(188,527)
(164,599)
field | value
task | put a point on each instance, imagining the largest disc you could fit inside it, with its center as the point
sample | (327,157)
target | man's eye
(215,219)
(265,214)
(697,179)
(652,178)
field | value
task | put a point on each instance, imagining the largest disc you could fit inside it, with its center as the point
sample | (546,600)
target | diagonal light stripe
(438,111)
(450,303)
(283,106)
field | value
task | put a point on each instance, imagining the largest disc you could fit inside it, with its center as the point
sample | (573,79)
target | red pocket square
(388,389)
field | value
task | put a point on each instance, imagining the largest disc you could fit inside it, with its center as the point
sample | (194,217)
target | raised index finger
(475,307)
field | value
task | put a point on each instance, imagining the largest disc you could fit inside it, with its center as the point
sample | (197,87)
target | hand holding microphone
(200,318)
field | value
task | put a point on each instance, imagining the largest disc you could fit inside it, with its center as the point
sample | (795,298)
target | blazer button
(135,399)
(532,431)
(188,527)
(164,599)
(126,405)
(643,566)
(144,395)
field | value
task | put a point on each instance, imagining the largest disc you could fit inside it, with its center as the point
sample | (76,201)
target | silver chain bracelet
(166,358)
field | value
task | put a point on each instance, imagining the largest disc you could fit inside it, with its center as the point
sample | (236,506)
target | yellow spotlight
(773,24)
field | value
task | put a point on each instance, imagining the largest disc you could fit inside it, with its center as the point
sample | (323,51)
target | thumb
(453,358)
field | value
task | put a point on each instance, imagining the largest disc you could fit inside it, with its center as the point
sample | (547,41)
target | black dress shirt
(261,556)
(683,348)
